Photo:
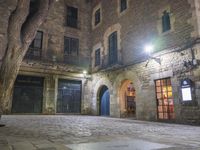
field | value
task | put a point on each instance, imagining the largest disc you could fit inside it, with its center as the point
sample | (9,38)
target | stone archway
(103,101)
(127,95)
(101,81)
(129,76)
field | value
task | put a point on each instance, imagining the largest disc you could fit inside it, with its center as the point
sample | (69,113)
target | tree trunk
(21,32)
(8,73)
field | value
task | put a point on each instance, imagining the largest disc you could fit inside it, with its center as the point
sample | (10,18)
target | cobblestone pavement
(32,132)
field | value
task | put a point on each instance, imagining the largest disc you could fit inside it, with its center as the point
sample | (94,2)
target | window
(72,17)
(113,48)
(33,7)
(97,57)
(166,24)
(71,46)
(165,103)
(123,5)
(35,49)
(97,17)
(37,42)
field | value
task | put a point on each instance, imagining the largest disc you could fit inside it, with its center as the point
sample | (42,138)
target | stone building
(106,38)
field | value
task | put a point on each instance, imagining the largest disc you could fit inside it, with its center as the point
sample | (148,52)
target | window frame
(121,4)
(69,17)
(41,40)
(113,47)
(166,21)
(97,17)
(93,22)
(97,61)
(165,109)
(71,48)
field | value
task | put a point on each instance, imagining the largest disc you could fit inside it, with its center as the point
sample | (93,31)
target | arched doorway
(104,101)
(127,99)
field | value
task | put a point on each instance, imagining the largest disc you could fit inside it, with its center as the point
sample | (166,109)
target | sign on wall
(186,90)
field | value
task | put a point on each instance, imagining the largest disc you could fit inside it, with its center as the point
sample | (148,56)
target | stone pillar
(50,95)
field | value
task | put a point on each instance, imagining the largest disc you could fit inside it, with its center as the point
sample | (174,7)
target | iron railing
(79,61)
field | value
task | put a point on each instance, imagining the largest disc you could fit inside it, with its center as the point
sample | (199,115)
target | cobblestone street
(85,132)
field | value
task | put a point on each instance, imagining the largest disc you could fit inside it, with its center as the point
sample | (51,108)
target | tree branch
(16,20)
(32,24)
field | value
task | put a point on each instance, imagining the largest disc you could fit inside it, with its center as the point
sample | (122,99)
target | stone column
(50,95)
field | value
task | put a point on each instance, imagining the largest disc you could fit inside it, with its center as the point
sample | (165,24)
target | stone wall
(140,24)
(143,77)
(51,65)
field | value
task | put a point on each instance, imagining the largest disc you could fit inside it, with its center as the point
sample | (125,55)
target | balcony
(77,61)
(110,64)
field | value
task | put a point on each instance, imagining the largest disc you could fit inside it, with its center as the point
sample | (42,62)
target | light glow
(149,48)
(84,72)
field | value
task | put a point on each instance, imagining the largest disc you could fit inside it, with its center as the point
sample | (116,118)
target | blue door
(105,104)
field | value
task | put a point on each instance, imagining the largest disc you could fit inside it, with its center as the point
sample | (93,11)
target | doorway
(127,99)
(69,96)
(28,95)
(104,101)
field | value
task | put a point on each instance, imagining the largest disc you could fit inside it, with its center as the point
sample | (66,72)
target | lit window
(165,103)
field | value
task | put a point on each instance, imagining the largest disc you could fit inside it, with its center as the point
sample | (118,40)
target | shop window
(123,5)
(72,17)
(97,57)
(166,23)
(97,17)
(165,103)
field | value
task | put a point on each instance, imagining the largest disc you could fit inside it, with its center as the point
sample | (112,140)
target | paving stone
(56,132)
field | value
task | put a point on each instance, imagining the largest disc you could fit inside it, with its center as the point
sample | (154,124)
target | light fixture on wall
(84,73)
(149,48)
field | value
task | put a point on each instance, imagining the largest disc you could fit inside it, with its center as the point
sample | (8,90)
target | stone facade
(52,66)
(140,24)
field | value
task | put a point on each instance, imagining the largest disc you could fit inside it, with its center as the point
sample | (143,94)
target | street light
(148,48)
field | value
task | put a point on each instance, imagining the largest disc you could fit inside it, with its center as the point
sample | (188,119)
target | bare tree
(21,30)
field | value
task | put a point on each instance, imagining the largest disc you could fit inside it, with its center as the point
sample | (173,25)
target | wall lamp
(149,48)
(84,73)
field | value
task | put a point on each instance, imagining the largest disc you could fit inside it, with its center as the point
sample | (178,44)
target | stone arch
(127,100)
(130,76)
(95,92)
